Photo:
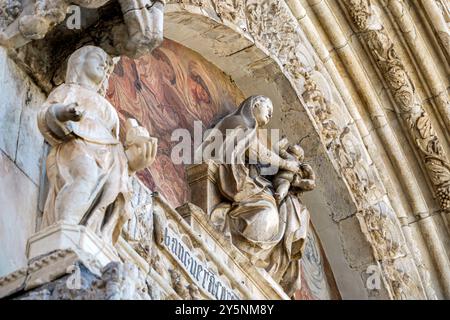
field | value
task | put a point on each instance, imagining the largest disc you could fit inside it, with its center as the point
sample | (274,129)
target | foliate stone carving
(403,287)
(277,35)
(379,222)
(390,250)
(444,33)
(342,144)
(179,284)
(410,109)
(186,291)
(231,10)
(88,169)
(194,292)
(376,218)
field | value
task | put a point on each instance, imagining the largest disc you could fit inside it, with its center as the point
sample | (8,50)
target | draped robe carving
(87,167)
(271,236)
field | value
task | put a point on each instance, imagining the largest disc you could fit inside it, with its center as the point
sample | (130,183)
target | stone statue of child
(87,167)
(303,178)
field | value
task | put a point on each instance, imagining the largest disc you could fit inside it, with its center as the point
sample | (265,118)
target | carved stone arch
(257,70)
(261,46)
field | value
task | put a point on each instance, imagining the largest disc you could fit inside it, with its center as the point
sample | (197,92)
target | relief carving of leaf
(424,127)
(440,171)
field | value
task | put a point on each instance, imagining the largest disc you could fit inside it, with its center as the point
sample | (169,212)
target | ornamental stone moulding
(201,252)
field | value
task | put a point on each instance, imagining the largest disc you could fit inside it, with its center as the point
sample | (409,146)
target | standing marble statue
(87,167)
(271,233)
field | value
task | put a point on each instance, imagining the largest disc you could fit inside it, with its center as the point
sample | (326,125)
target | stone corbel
(142,32)
(144,26)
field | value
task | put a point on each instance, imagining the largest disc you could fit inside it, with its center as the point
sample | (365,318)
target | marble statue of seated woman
(268,234)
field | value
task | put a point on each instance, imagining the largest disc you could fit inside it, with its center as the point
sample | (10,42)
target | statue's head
(262,110)
(257,108)
(89,66)
(297,151)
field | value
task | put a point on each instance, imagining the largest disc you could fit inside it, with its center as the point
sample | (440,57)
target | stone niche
(177,254)
(159,255)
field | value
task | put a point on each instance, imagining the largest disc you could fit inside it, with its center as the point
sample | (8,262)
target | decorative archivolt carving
(389,250)
(410,109)
(282,38)
(231,10)
(444,33)
(277,35)
(342,145)
(376,217)
(378,221)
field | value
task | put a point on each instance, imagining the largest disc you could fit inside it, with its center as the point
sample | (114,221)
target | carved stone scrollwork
(377,219)
(231,10)
(444,33)
(342,144)
(277,34)
(410,109)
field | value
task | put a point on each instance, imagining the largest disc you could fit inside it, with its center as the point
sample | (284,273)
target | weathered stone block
(18,200)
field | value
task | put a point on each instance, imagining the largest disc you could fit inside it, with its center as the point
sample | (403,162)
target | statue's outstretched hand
(66,112)
(140,147)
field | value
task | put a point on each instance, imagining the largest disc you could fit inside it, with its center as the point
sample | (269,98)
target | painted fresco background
(170,89)
(167,90)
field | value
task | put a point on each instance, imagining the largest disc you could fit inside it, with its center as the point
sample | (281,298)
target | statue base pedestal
(45,269)
(56,251)
(75,237)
